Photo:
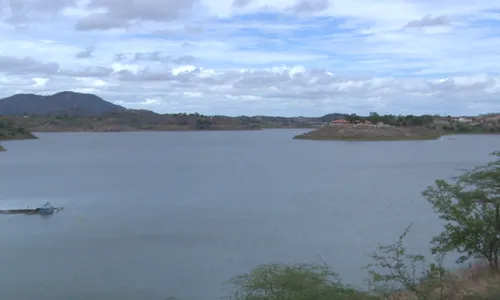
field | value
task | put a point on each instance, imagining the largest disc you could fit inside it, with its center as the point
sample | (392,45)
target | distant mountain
(64,103)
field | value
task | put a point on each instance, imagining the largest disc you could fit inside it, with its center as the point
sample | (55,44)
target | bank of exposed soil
(370,133)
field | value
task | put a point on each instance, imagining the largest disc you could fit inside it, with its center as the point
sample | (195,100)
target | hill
(362,132)
(60,104)
(70,111)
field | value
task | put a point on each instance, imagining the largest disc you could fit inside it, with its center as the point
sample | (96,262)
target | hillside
(70,111)
(369,133)
(132,120)
(63,103)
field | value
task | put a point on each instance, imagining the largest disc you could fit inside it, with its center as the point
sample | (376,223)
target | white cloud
(40,82)
(287,57)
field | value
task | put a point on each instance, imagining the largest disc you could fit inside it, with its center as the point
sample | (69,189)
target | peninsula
(377,127)
(10,131)
(369,132)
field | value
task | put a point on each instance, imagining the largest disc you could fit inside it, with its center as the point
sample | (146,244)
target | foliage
(8,130)
(400,120)
(353,118)
(470,208)
(133,120)
(203,124)
(292,282)
(477,125)
(394,270)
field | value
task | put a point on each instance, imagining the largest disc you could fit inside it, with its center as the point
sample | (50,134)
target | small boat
(46,209)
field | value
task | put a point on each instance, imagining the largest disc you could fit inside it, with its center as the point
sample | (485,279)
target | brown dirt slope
(370,133)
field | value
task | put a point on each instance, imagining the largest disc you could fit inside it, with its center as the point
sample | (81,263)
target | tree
(292,282)
(352,118)
(388,119)
(471,209)
(374,118)
(395,270)
(202,124)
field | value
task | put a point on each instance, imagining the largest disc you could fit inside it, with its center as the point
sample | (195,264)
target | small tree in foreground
(395,270)
(292,282)
(470,208)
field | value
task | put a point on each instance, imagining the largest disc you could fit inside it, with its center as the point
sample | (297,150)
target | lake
(150,215)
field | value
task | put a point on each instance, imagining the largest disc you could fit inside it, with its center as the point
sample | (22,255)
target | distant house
(368,122)
(339,123)
(462,119)
(465,120)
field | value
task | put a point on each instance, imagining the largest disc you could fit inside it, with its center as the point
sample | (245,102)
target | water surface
(157,214)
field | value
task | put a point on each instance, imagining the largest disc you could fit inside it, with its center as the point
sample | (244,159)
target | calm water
(151,215)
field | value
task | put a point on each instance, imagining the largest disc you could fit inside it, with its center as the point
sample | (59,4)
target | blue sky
(285,57)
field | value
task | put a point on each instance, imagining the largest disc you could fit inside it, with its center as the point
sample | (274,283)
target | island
(10,131)
(366,131)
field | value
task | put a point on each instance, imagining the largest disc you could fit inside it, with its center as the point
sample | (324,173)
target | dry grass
(476,282)
(370,133)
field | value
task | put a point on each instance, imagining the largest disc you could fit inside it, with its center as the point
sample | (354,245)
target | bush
(293,282)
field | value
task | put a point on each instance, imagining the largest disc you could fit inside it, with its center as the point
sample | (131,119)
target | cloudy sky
(254,57)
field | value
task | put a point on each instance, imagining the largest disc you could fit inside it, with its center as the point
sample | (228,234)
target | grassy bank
(131,121)
(12,136)
(9,131)
(320,282)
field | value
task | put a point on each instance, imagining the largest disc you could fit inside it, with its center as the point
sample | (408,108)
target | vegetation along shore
(69,112)
(11,131)
(469,208)
(370,132)
(377,127)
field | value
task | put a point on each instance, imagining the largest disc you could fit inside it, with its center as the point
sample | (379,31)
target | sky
(258,57)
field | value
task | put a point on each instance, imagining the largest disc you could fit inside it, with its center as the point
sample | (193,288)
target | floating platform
(46,209)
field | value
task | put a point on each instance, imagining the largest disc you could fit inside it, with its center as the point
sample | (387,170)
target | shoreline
(369,139)
(30,136)
(370,133)
(142,130)
(26,137)
(471,133)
